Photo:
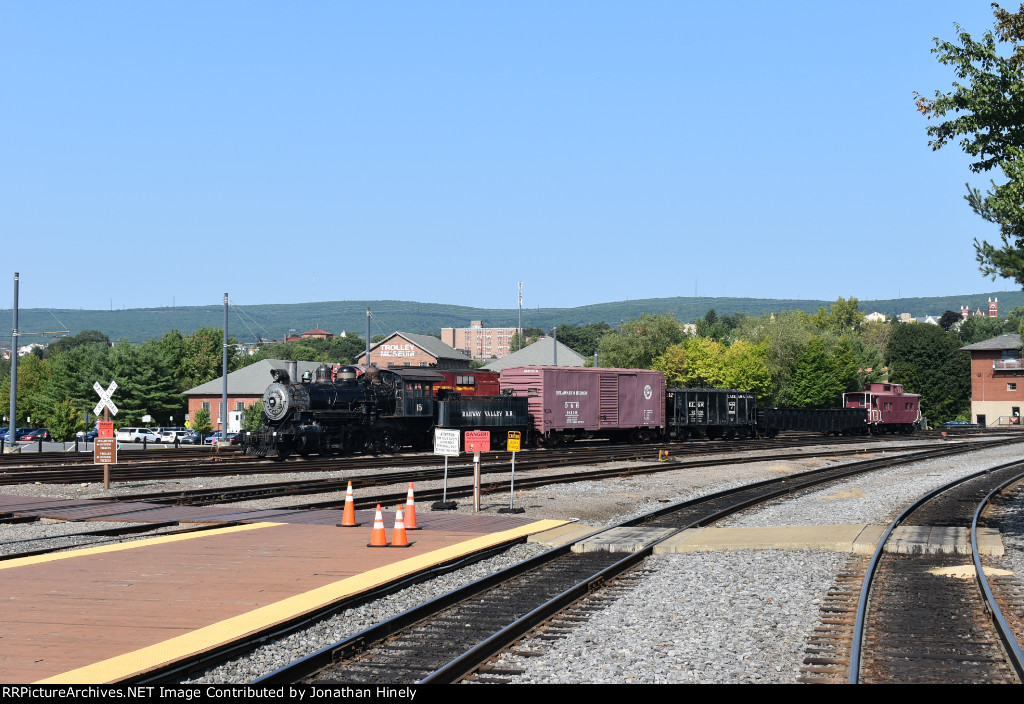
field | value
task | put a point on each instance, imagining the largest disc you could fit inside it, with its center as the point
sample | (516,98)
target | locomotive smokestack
(293,371)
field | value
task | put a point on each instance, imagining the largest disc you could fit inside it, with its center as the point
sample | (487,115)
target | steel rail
(1006,635)
(466,663)
(862,603)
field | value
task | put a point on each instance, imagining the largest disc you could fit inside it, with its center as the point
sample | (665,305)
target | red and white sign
(105,428)
(478,441)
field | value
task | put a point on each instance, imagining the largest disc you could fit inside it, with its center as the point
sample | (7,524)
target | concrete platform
(861,539)
(103,614)
(621,540)
(919,540)
(568,533)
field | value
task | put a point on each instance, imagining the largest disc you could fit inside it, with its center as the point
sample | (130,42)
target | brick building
(997,381)
(245,387)
(315,333)
(403,349)
(479,342)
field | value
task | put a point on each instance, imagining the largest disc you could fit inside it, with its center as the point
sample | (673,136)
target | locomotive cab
(414,393)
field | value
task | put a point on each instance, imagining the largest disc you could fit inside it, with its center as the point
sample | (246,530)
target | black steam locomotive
(383,410)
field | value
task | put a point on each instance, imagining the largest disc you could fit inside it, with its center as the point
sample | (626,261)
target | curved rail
(1006,636)
(872,569)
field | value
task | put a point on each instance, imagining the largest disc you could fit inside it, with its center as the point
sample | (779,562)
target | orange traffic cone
(348,519)
(410,510)
(378,538)
(398,537)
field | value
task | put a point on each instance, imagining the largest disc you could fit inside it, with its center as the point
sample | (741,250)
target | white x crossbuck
(105,398)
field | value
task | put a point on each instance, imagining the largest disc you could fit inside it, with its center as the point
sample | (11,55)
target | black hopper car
(728,414)
(382,410)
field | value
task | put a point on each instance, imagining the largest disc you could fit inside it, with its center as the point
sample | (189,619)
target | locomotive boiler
(382,410)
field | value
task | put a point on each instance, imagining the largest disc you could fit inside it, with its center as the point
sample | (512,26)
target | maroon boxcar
(569,403)
(890,409)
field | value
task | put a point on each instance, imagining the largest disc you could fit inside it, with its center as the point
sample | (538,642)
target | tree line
(790,358)
(55,383)
(797,359)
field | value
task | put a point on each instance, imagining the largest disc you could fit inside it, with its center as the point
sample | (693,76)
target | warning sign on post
(478,441)
(104,451)
(513,441)
(446,442)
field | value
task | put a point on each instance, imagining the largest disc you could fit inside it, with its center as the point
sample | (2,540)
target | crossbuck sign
(105,398)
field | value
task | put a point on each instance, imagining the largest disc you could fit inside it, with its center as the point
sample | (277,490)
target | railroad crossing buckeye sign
(105,398)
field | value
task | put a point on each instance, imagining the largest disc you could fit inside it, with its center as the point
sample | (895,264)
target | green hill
(275,321)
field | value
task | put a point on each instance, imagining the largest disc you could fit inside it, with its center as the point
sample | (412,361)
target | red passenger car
(468,382)
(569,403)
(890,409)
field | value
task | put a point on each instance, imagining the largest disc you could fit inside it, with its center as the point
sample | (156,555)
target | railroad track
(530,462)
(406,648)
(149,465)
(223,495)
(966,638)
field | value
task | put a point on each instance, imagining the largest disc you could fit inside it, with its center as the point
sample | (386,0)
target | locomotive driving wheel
(390,442)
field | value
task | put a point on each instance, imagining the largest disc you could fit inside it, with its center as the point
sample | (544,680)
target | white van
(136,435)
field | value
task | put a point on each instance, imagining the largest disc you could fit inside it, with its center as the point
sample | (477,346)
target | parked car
(215,438)
(18,432)
(959,424)
(36,434)
(90,435)
(136,435)
(183,436)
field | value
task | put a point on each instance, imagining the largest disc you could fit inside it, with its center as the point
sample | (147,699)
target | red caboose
(890,410)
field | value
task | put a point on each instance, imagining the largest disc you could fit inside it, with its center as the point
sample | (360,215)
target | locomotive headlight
(275,401)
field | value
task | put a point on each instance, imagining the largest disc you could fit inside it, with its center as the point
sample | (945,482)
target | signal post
(477,441)
(513,447)
(105,446)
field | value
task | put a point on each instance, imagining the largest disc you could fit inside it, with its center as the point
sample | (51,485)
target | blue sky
(159,154)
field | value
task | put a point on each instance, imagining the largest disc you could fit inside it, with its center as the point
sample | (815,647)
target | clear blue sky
(164,153)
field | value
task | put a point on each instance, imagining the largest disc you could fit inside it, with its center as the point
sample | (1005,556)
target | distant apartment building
(480,342)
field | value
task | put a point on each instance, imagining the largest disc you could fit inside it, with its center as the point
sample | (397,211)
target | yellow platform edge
(121,667)
(131,545)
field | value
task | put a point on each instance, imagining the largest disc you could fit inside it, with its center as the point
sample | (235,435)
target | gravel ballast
(740,616)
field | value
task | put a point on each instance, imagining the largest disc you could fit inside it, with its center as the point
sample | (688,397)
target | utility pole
(12,437)
(224,392)
(520,315)
(367,338)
